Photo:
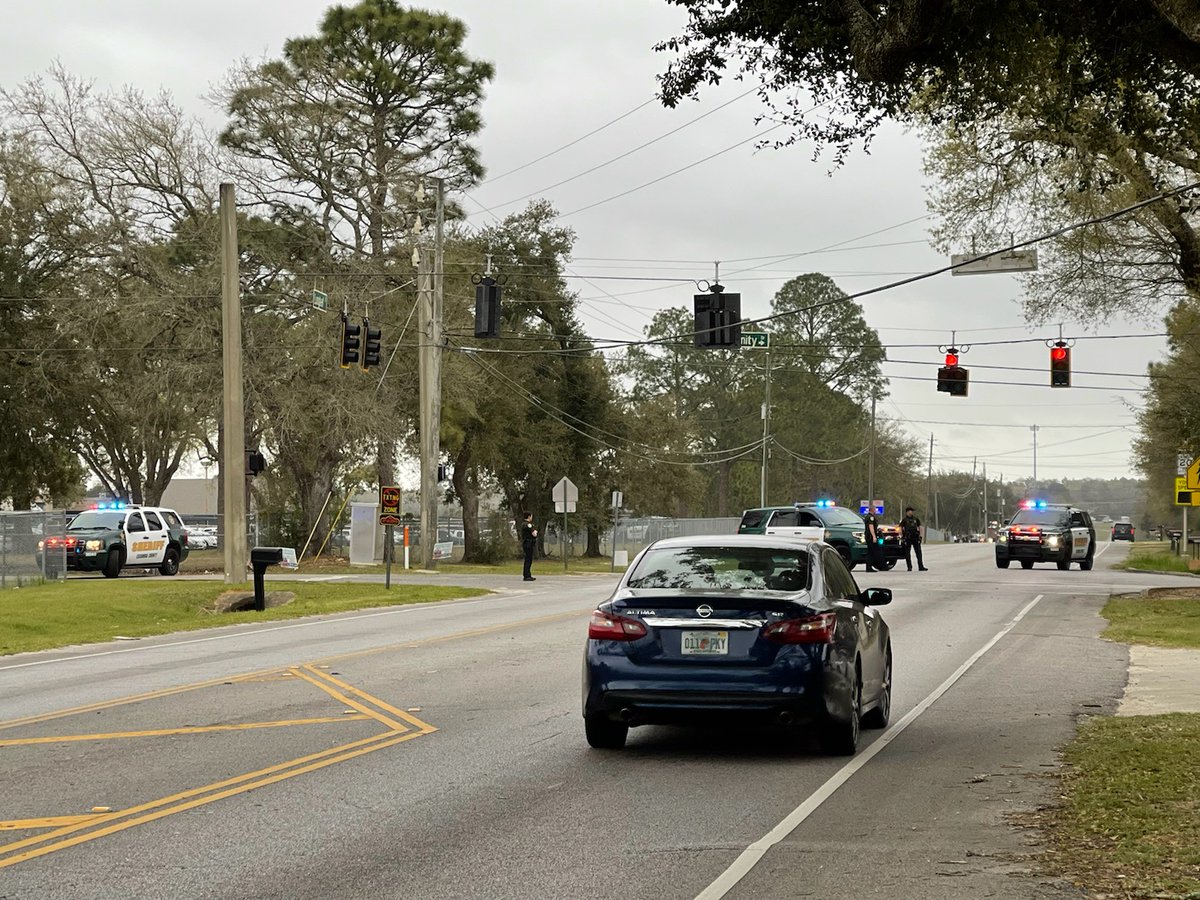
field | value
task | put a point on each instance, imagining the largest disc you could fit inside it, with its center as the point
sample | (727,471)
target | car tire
(112,565)
(1002,563)
(170,563)
(841,738)
(1027,564)
(844,553)
(1085,564)
(882,714)
(1063,564)
(889,564)
(603,733)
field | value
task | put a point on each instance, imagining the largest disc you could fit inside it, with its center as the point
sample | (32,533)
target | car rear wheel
(889,564)
(879,716)
(170,563)
(1027,564)
(603,733)
(1002,563)
(112,565)
(841,738)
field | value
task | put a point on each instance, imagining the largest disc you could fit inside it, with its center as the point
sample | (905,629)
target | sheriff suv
(109,539)
(1043,532)
(823,520)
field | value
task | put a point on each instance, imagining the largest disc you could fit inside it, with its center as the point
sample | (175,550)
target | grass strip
(1153,555)
(213,561)
(1166,617)
(85,611)
(1129,824)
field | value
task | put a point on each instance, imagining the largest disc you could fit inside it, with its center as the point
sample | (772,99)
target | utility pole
(970,507)
(929,501)
(986,521)
(766,417)
(1034,429)
(233,406)
(429,364)
(871,458)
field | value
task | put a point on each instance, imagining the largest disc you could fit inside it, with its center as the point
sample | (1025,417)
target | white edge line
(317,619)
(750,857)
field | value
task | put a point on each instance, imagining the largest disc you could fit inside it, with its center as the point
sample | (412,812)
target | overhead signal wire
(570,144)
(817,462)
(621,156)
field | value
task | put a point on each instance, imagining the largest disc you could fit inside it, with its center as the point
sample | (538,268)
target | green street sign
(756,339)
(320,299)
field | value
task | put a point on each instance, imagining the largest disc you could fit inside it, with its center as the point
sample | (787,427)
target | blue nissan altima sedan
(725,626)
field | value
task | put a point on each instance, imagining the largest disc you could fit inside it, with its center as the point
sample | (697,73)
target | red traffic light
(952,359)
(1058,354)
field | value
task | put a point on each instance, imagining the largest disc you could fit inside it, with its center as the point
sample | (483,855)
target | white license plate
(705,643)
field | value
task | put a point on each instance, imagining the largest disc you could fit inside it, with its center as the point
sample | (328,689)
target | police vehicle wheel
(1027,564)
(1063,564)
(1085,564)
(844,552)
(1002,563)
(112,565)
(170,563)
(889,564)
(603,733)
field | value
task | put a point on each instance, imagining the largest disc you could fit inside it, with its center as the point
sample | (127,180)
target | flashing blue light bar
(1034,504)
(825,503)
(116,504)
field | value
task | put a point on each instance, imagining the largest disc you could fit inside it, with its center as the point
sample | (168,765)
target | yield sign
(565,491)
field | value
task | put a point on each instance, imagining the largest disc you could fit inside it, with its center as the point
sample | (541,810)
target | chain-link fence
(32,547)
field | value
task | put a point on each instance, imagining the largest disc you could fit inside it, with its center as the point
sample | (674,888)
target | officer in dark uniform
(910,534)
(528,542)
(874,548)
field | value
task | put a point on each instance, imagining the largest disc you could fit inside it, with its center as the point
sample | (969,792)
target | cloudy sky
(567,67)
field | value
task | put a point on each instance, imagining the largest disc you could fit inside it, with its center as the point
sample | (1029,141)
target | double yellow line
(70,831)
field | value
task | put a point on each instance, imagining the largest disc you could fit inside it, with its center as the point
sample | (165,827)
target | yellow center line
(390,724)
(239,780)
(192,729)
(387,739)
(386,707)
(47,822)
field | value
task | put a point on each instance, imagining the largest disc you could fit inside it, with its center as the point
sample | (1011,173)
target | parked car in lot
(740,626)
(201,537)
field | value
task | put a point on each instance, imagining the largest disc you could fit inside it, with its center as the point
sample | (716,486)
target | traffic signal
(1060,365)
(370,355)
(487,308)
(718,318)
(256,463)
(350,333)
(953,379)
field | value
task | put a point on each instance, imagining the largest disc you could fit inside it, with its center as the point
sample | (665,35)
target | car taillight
(609,627)
(812,630)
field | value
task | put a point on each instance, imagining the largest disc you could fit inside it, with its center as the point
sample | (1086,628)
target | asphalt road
(437,751)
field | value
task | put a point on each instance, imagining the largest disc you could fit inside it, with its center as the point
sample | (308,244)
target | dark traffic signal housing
(1060,365)
(373,336)
(718,318)
(953,379)
(349,351)
(487,308)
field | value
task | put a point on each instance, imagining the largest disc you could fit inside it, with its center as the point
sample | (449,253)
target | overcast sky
(566,67)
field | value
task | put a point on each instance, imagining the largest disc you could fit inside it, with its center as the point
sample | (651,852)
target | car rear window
(722,569)
(1123,527)
(1057,518)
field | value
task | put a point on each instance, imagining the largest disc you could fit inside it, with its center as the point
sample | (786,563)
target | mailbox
(260,558)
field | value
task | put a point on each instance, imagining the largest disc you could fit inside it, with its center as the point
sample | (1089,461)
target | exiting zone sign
(389,505)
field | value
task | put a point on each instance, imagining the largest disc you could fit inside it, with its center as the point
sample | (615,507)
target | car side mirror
(876,596)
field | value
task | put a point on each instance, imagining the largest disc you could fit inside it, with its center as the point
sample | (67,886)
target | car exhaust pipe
(785,718)
(626,714)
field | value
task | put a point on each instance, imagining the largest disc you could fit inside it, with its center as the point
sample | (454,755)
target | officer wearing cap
(910,534)
(528,542)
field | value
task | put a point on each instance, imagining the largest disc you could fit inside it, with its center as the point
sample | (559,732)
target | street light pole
(766,417)
(1034,429)
(871,458)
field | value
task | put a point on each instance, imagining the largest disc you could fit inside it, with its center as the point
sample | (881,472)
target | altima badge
(704,611)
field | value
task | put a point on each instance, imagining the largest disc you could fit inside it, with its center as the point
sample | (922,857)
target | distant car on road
(1044,532)
(760,627)
(1122,531)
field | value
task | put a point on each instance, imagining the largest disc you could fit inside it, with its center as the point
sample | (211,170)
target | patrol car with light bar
(823,520)
(1047,532)
(110,537)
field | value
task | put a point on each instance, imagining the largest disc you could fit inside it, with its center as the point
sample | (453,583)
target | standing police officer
(910,533)
(874,548)
(528,542)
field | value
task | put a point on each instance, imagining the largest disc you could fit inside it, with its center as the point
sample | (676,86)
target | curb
(1160,572)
